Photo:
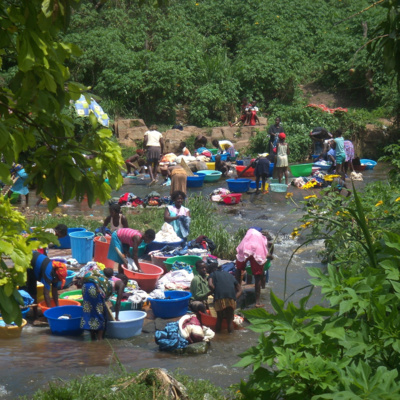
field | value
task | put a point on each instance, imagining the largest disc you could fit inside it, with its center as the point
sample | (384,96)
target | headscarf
(102,283)
(61,271)
(282,136)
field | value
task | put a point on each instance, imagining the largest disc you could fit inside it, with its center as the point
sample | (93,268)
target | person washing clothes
(226,290)
(177,215)
(116,218)
(48,272)
(199,289)
(123,239)
(118,283)
(253,249)
(261,171)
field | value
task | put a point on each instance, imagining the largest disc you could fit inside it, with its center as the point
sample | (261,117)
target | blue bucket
(82,246)
(65,242)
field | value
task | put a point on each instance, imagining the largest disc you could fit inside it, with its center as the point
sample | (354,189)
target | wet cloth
(281,156)
(167,234)
(349,150)
(190,329)
(177,266)
(253,244)
(170,339)
(261,167)
(26,297)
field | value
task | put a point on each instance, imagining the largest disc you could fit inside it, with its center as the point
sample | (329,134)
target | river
(37,358)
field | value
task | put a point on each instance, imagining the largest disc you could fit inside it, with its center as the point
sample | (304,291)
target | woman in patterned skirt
(96,289)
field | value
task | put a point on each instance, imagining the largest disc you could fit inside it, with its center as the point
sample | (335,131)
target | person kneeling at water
(122,240)
(47,272)
(119,283)
(226,290)
(199,289)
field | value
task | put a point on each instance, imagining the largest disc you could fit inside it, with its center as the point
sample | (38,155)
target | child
(116,219)
(340,153)
(185,151)
(136,158)
(282,152)
(261,171)
(226,290)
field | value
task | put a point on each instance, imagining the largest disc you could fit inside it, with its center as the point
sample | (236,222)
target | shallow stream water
(38,357)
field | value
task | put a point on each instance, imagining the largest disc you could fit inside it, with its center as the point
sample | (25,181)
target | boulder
(130,131)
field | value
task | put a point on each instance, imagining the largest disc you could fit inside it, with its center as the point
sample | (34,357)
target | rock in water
(195,348)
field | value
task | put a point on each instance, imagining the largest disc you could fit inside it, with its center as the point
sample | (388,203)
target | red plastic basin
(249,172)
(61,302)
(233,198)
(148,279)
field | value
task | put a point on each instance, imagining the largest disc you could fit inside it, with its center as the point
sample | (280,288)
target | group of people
(248,114)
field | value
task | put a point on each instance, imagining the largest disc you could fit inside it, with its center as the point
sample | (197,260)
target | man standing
(274,131)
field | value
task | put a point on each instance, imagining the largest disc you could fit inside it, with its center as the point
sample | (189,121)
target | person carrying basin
(122,240)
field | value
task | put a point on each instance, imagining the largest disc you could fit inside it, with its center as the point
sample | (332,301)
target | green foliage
(102,386)
(392,155)
(207,55)
(36,127)
(350,348)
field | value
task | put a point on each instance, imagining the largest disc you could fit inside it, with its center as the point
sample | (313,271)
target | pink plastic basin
(148,279)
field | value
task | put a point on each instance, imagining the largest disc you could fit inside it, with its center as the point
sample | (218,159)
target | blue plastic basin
(238,185)
(195,181)
(65,327)
(130,324)
(175,306)
(65,242)
(239,162)
(369,164)
(68,280)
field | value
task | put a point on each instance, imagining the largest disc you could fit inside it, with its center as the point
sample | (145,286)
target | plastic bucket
(101,251)
(82,246)
(65,242)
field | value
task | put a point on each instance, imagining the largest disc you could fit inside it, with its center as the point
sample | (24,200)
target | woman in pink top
(125,238)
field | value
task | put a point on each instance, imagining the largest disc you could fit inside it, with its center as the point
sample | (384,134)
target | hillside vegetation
(206,55)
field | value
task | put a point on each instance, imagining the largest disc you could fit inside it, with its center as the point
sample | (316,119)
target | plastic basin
(241,168)
(61,302)
(65,242)
(211,322)
(240,185)
(283,180)
(101,251)
(148,279)
(65,327)
(130,324)
(210,165)
(369,164)
(159,245)
(159,261)
(213,151)
(82,246)
(195,181)
(210,176)
(301,169)
(64,296)
(233,198)
(239,162)
(11,331)
(191,260)
(278,187)
(175,305)
(68,280)
(224,157)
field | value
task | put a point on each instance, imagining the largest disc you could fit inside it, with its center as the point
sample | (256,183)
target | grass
(100,387)
(205,221)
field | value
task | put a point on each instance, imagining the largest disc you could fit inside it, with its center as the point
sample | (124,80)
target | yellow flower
(337,213)
(379,203)
(255,23)
(398,199)
(386,211)
(289,195)
(294,234)
(311,197)
(277,16)
(308,223)
(197,4)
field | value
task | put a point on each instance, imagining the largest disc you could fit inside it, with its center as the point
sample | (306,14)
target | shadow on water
(37,358)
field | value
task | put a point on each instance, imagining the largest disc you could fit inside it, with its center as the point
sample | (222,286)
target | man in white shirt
(153,142)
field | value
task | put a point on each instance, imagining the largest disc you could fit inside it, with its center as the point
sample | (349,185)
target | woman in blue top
(340,153)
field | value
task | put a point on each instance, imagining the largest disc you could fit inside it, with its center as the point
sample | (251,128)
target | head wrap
(282,136)
(61,271)
(140,152)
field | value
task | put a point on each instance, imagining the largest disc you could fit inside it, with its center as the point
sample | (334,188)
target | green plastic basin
(301,169)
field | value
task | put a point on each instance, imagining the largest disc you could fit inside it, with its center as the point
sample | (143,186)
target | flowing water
(38,357)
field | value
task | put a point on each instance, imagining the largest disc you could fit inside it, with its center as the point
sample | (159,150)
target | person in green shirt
(199,289)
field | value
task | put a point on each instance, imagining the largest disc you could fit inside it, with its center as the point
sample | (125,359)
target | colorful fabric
(256,268)
(61,271)
(222,304)
(83,109)
(19,185)
(177,266)
(253,244)
(323,107)
(102,283)
(170,339)
(349,150)
(126,235)
(94,309)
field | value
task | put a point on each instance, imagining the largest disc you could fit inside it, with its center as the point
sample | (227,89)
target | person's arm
(162,145)
(124,222)
(211,285)
(145,139)
(288,150)
(54,292)
(238,289)
(119,286)
(135,250)
(249,166)
(107,221)
(188,213)
(167,216)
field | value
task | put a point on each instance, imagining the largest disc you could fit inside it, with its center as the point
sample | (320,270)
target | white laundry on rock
(167,234)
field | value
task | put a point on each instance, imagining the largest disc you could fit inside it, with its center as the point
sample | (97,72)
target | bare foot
(260,305)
